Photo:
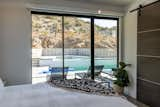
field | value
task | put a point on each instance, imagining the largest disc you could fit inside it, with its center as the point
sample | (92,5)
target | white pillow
(1,83)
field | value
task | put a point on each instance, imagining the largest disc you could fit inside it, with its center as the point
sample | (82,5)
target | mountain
(47,33)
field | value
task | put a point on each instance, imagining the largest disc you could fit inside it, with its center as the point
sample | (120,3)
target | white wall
(130,44)
(15,45)
(130,50)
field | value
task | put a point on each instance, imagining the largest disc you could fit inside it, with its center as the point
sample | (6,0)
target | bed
(44,95)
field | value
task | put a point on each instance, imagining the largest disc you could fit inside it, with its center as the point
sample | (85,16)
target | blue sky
(102,22)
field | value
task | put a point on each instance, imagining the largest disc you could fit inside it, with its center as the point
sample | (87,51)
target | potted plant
(122,79)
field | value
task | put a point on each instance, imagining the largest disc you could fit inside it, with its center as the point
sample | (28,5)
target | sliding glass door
(46,46)
(69,45)
(105,44)
(77,45)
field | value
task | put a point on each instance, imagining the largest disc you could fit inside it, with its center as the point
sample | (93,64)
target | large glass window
(63,45)
(46,46)
(77,45)
(105,44)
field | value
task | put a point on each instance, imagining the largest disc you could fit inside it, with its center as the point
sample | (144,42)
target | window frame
(92,17)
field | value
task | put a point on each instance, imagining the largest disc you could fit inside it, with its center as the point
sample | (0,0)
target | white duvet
(43,95)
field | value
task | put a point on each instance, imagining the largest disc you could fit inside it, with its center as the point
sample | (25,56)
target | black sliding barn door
(148,55)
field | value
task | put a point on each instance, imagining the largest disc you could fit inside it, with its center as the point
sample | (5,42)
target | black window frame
(92,33)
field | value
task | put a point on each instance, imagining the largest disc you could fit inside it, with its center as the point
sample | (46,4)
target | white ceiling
(107,6)
(119,3)
(111,2)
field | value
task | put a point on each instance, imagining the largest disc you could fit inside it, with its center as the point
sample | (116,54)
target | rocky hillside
(47,33)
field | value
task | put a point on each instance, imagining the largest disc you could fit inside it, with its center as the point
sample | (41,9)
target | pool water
(79,63)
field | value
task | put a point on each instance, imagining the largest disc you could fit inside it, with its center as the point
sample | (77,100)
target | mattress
(44,95)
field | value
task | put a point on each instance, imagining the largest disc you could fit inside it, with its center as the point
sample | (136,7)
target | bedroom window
(105,43)
(77,41)
(72,45)
(46,45)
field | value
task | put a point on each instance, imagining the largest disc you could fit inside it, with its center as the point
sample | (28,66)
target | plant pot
(119,90)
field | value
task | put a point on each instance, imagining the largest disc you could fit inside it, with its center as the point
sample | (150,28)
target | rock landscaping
(83,85)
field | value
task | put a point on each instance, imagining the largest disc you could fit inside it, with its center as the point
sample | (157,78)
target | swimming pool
(79,63)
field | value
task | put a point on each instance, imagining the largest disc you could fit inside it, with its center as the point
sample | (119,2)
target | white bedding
(43,95)
(1,83)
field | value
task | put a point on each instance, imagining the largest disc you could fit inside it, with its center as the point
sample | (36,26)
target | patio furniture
(97,71)
(57,72)
(106,78)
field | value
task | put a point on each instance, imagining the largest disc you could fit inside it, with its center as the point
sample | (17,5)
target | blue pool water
(80,63)
(83,62)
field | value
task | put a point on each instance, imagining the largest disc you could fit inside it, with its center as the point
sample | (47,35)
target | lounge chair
(97,71)
(106,78)
(57,72)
